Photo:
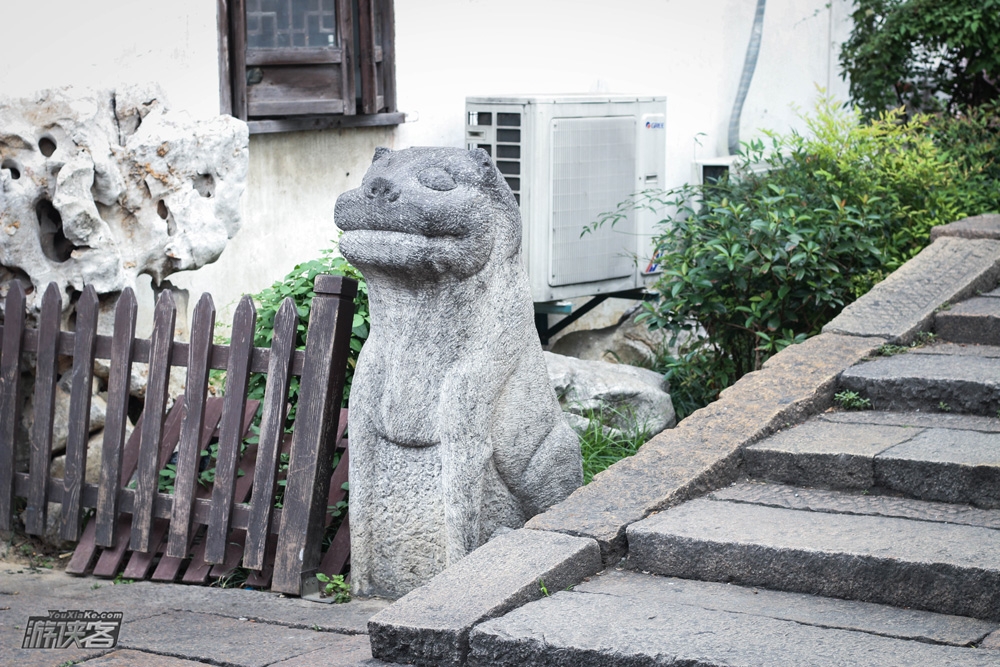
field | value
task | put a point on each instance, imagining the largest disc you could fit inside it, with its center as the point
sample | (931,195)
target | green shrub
(298,285)
(969,141)
(806,224)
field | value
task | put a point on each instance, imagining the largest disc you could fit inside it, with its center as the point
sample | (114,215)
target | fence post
(10,397)
(46,377)
(316,419)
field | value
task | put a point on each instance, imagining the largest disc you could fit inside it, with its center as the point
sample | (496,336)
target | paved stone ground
(170,625)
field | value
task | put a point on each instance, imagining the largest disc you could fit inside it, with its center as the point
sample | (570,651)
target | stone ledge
(703,451)
(431,624)
(904,303)
(979,227)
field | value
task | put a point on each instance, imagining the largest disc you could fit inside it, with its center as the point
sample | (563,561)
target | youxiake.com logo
(73,629)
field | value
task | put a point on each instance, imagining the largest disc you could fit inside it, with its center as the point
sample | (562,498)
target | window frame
(363,64)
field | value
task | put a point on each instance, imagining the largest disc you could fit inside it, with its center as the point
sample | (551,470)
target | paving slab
(902,305)
(939,567)
(351,652)
(430,625)
(863,503)
(618,623)
(944,464)
(127,658)
(28,592)
(975,320)
(229,641)
(141,599)
(704,450)
(928,383)
(915,419)
(823,453)
(264,606)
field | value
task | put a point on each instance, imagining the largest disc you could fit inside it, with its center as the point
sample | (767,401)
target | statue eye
(436,178)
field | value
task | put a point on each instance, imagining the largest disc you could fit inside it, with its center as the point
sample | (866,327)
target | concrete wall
(692,51)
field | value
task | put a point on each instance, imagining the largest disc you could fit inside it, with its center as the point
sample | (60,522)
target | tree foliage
(923,55)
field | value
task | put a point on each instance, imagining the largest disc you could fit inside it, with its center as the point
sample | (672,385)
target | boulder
(628,342)
(60,423)
(57,469)
(626,398)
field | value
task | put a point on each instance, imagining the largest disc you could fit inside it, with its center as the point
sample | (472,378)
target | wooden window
(308,64)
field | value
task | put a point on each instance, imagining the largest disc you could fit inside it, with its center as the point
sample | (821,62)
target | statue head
(428,213)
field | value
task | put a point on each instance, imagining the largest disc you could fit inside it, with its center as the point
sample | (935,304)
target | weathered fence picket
(231,430)
(207,527)
(79,412)
(147,474)
(119,383)
(190,447)
(10,397)
(272,428)
(46,371)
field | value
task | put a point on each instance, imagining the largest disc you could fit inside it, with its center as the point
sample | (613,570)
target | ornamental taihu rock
(97,187)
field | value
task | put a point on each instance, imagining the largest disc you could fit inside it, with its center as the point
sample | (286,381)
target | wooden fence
(238,512)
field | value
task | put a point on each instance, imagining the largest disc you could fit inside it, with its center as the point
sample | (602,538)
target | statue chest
(404,388)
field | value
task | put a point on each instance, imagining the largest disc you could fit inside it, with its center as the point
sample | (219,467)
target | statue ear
(380,152)
(485,164)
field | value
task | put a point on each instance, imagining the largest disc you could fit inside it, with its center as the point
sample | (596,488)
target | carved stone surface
(456,433)
(97,187)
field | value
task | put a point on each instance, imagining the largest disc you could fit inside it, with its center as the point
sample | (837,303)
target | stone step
(851,548)
(941,378)
(975,320)
(632,619)
(946,463)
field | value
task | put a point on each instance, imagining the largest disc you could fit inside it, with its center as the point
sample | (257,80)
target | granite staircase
(855,538)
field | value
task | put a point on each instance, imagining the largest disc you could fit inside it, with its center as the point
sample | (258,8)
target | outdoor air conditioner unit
(569,158)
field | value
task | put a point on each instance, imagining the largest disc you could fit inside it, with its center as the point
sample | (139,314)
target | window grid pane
(291,23)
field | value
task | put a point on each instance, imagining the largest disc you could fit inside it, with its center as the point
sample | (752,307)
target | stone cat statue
(455,431)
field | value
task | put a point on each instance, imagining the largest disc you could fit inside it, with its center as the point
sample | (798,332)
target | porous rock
(97,187)
(625,398)
(456,433)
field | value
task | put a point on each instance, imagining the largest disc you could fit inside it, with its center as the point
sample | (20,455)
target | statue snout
(381,188)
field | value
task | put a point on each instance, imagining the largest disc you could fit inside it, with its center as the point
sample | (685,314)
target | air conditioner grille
(593,169)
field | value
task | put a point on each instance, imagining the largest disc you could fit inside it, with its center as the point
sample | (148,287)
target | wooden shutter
(295,57)
(377,56)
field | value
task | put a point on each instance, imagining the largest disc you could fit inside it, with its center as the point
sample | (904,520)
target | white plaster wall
(692,51)
(105,43)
